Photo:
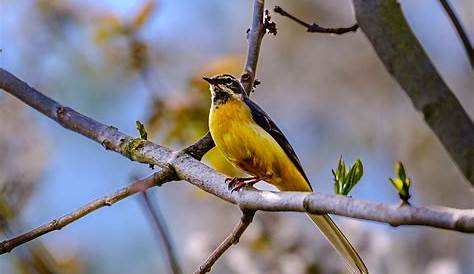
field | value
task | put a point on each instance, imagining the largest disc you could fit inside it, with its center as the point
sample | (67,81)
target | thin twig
(157,178)
(36,256)
(232,239)
(460,30)
(257,31)
(163,233)
(315,27)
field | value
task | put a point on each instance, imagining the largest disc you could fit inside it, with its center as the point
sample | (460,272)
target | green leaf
(336,184)
(344,182)
(358,171)
(141,129)
(341,169)
(402,182)
(400,171)
(397,183)
(347,184)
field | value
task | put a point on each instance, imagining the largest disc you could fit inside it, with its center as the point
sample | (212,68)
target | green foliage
(128,148)
(143,135)
(345,181)
(141,129)
(401,182)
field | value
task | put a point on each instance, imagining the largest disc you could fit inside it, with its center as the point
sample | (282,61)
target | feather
(265,122)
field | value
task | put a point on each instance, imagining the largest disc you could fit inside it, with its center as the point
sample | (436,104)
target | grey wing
(264,121)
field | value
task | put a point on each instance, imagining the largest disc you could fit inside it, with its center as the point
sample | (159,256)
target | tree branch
(232,239)
(319,203)
(162,233)
(110,137)
(156,179)
(257,31)
(460,30)
(315,27)
(403,56)
(200,147)
(189,169)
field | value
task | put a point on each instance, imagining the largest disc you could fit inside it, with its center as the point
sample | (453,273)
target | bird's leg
(234,180)
(236,183)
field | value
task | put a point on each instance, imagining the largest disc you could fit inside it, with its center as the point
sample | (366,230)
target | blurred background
(121,61)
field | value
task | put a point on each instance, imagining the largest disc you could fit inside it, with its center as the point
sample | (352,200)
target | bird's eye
(235,87)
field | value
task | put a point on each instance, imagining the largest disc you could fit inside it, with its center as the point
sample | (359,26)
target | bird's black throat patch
(220,97)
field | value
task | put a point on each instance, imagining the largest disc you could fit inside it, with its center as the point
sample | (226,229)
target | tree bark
(383,23)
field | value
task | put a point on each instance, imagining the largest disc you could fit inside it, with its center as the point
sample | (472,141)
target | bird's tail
(339,242)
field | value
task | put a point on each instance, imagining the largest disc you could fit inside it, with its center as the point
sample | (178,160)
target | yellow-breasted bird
(250,140)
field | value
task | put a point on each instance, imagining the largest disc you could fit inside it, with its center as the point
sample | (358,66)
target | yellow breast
(251,148)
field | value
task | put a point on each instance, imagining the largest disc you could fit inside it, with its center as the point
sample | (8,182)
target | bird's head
(224,87)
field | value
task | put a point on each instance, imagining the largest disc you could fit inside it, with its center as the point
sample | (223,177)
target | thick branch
(208,180)
(315,27)
(460,30)
(156,179)
(232,239)
(162,233)
(403,56)
(110,137)
(189,169)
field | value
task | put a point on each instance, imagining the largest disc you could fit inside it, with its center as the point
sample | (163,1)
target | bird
(250,140)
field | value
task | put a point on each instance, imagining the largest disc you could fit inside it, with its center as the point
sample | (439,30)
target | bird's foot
(237,183)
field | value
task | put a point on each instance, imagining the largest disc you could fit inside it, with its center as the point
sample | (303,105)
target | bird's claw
(238,186)
(236,183)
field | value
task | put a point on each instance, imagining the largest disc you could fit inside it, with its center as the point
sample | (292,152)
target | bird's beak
(211,81)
